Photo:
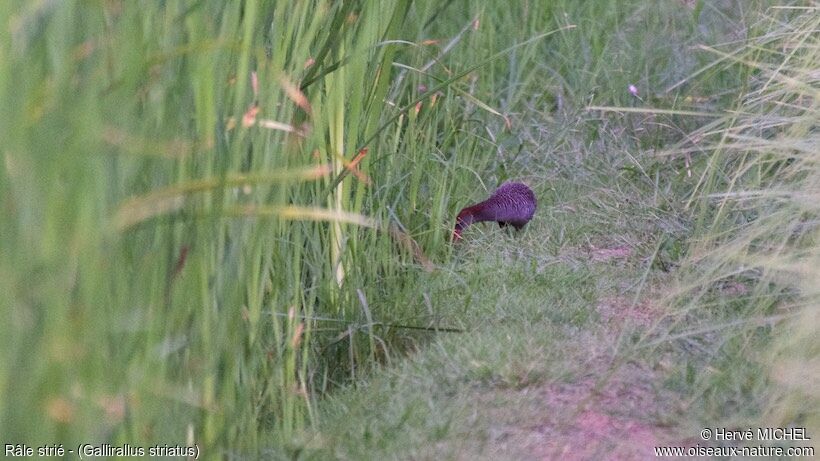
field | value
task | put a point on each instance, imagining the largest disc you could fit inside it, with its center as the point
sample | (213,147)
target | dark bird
(513,203)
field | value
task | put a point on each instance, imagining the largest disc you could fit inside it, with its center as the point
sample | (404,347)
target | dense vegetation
(217,216)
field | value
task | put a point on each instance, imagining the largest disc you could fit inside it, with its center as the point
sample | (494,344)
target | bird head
(464,219)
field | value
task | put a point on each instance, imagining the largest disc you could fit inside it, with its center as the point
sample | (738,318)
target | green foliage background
(185,256)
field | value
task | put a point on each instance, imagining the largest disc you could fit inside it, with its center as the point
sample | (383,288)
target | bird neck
(476,213)
(472,214)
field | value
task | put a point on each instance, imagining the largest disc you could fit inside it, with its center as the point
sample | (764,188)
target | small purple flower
(633,90)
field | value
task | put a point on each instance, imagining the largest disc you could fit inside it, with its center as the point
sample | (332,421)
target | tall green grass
(184,258)
(752,293)
(215,212)
(167,220)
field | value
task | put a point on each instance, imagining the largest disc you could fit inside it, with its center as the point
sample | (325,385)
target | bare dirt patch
(613,418)
(604,412)
(584,420)
(613,253)
(620,311)
(608,254)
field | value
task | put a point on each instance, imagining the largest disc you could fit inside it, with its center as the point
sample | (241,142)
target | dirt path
(545,372)
(613,411)
(601,415)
